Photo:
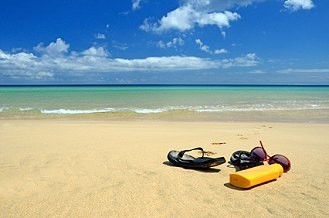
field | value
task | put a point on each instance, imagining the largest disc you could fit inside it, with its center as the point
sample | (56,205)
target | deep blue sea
(208,103)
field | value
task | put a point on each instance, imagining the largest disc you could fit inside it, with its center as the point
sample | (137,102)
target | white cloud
(206,48)
(136,4)
(203,47)
(100,36)
(187,17)
(180,19)
(171,44)
(307,70)
(295,5)
(220,51)
(222,5)
(257,72)
(96,51)
(216,5)
(121,47)
(178,63)
(98,60)
(193,13)
(54,48)
(223,33)
(22,65)
(249,60)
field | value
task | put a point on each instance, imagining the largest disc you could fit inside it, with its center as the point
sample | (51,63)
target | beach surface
(81,168)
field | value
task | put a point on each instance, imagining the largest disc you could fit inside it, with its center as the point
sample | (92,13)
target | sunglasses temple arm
(261,144)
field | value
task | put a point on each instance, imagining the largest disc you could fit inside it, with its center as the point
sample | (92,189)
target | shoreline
(82,119)
(119,168)
(302,116)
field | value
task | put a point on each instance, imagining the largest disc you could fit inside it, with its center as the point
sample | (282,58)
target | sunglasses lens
(282,160)
(258,154)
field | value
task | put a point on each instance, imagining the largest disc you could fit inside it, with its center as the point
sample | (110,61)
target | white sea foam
(3,108)
(91,111)
(149,111)
(25,109)
(255,107)
(69,111)
(199,109)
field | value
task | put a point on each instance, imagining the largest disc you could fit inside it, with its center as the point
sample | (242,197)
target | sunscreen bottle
(256,175)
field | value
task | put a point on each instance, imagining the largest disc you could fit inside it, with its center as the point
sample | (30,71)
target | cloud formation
(136,4)
(295,5)
(222,5)
(178,41)
(193,13)
(188,17)
(53,49)
(100,36)
(57,59)
(206,48)
(309,70)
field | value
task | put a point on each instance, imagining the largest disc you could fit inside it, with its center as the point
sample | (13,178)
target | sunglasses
(259,154)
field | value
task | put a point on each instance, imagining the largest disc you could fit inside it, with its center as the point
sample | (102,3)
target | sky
(164,42)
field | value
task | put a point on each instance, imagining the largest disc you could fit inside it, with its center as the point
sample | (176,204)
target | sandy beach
(79,168)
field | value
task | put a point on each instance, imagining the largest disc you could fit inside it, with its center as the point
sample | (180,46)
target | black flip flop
(179,158)
(242,160)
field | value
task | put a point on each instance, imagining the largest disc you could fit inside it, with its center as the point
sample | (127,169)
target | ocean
(168,102)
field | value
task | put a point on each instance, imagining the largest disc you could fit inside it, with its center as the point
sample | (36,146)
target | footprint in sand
(218,143)
(241,137)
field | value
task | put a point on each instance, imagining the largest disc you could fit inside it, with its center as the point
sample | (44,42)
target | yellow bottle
(256,175)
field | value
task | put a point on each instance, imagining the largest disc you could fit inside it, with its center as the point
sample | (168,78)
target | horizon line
(162,84)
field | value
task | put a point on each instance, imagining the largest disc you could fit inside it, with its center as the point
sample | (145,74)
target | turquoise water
(226,103)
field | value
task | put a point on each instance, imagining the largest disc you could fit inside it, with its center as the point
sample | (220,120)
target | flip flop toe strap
(181,153)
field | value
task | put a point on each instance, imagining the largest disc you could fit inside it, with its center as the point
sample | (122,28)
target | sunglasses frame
(269,158)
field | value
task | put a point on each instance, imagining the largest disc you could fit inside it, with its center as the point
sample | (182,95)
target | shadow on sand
(209,170)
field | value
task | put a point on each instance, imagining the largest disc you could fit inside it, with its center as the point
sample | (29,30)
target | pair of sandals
(181,159)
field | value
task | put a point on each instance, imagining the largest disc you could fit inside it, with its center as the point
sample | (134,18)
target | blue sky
(161,42)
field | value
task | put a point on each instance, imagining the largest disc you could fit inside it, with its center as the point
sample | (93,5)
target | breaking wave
(157,110)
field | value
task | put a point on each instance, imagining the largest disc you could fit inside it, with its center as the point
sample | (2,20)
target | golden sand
(53,168)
